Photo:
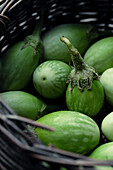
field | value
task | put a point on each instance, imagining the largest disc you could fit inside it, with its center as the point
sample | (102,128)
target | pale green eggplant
(100,55)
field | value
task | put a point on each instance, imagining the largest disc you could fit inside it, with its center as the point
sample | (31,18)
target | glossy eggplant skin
(18,64)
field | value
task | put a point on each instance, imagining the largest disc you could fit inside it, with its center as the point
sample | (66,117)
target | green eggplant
(107,126)
(84,93)
(103,152)
(100,54)
(106,80)
(28,105)
(81,35)
(19,62)
(24,104)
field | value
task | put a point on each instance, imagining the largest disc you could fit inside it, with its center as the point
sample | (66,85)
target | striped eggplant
(73,131)
(50,77)
(84,92)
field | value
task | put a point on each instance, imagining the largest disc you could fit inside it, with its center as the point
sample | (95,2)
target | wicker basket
(23,151)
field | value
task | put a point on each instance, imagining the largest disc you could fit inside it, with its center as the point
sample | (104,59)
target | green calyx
(81,75)
(34,42)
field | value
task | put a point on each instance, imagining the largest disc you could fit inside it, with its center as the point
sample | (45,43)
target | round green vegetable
(100,55)
(107,126)
(24,104)
(103,152)
(107,82)
(50,77)
(81,35)
(84,92)
(73,131)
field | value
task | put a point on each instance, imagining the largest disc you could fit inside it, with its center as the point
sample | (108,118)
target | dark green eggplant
(84,93)
(19,62)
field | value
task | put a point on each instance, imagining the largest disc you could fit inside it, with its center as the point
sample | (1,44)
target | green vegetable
(107,126)
(103,168)
(24,104)
(84,92)
(73,131)
(19,62)
(103,152)
(80,35)
(107,82)
(100,55)
(50,77)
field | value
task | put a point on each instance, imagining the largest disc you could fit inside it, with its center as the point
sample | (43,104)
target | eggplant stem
(77,59)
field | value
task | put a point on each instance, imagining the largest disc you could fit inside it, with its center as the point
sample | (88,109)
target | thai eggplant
(19,62)
(100,55)
(106,80)
(24,104)
(84,92)
(28,105)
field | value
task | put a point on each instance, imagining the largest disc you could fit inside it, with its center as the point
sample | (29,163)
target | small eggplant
(84,92)
(19,62)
